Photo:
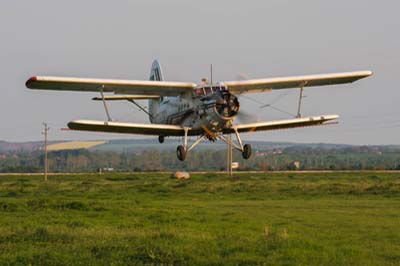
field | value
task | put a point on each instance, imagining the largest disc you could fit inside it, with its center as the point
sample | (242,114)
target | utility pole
(46,163)
(229,157)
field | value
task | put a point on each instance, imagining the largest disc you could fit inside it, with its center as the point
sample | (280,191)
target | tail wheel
(181,153)
(161,139)
(246,151)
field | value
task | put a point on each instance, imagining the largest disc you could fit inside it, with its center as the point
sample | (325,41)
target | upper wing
(130,128)
(142,87)
(282,124)
(260,85)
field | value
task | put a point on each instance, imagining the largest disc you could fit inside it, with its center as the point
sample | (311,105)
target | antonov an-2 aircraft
(188,109)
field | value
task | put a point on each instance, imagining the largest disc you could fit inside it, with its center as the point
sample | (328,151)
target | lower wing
(172,130)
(128,128)
(283,124)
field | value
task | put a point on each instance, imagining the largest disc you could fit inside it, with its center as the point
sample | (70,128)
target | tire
(161,139)
(246,151)
(181,153)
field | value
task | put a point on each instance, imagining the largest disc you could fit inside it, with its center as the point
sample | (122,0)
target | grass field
(150,219)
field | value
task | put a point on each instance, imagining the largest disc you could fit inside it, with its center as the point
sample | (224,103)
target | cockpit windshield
(204,90)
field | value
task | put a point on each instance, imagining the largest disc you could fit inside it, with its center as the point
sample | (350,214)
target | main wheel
(181,153)
(246,151)
(161,139)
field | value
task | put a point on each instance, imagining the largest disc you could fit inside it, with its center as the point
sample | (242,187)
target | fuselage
(207,108)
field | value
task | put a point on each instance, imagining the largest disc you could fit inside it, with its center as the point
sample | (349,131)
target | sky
(253,39)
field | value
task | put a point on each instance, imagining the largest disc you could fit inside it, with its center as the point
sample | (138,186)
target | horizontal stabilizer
(126,97)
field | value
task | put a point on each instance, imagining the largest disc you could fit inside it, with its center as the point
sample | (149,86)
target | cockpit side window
(198,92)
(207,90)
(219,88)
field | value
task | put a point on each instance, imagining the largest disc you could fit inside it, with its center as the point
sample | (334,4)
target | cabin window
(207,90)
(219,88)
(199,92)
(202,91)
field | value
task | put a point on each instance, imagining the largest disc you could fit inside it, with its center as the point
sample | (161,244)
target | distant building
(235,165)
(295,165)
(106,169)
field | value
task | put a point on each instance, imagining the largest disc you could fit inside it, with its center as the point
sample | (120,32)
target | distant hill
(22,146)
(146,144)
(129,145)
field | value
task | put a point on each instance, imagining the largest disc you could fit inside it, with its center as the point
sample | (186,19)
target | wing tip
(368,73)
(30,82)
(71,124)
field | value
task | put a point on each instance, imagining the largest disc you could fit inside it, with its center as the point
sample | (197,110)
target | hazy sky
(256,39)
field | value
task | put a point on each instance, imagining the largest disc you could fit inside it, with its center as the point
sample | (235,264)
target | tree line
(203,160)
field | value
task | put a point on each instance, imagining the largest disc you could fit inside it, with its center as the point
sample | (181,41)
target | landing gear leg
(244,149)
(181,149)
(161,139)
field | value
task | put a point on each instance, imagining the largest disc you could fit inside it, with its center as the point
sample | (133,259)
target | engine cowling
(218,110)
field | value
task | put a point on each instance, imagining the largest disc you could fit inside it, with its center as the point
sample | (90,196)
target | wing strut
(140,107)
(104,102)
(300,99)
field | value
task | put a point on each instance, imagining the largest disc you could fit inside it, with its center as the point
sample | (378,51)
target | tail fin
(156,72)
(156,75)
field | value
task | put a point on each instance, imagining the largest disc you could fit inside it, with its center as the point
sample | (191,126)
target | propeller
(271,104)
(227,104)
(246,117)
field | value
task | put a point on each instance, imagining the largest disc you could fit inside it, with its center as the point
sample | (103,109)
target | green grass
(150,219)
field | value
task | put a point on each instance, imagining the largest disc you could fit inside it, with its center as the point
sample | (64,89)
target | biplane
(182,109)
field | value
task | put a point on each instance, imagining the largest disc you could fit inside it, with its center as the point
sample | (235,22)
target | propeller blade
(245,117)
(242,76)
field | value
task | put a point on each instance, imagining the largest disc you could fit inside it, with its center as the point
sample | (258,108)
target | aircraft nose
(227,105)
